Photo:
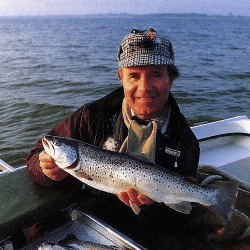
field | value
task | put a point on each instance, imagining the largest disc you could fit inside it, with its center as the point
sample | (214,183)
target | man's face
(146,89)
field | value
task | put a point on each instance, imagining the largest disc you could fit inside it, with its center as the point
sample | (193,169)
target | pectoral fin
(134,207)
(83,175)
(183,206)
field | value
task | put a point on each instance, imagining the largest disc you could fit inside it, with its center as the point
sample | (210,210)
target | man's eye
(133,76)
(156,75)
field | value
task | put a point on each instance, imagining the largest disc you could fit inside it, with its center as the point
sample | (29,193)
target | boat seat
(24,203)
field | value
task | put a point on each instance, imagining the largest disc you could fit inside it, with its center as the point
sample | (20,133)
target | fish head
(62,150)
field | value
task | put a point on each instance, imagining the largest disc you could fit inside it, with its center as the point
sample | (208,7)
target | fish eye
(57,143)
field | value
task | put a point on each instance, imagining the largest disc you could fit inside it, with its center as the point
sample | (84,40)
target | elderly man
(142,118)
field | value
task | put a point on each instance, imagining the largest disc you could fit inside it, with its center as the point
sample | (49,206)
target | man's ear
(171,83)
(119,73)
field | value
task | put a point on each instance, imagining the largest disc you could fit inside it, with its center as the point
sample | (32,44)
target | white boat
(225,145)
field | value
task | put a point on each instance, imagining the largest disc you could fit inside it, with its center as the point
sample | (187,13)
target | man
(141,118)
(146,123)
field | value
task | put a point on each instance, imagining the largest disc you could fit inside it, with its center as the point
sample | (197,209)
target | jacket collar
(109,105)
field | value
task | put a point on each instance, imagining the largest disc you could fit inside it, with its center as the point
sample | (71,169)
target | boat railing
(239,125)
(6,168)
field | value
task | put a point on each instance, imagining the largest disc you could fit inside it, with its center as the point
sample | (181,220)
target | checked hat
(145,47)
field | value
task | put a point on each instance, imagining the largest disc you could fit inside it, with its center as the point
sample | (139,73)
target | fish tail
(226,195)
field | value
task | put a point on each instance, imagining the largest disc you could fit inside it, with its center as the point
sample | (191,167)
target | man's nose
(145,83)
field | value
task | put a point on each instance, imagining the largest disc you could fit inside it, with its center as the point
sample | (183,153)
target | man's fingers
(56,174)
(50,168)
(43,156)
(46,161)
(54,170)
(144,199)
(124,197)
(134,197)
(48,165)
(132,194)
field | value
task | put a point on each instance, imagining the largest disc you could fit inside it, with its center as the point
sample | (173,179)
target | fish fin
(134,207)
(83,175)
(226,196)
(184,206)
(74,165)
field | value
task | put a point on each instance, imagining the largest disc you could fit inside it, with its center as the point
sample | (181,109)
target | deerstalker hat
(145,47)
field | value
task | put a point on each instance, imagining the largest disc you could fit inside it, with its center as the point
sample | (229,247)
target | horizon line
(128,14)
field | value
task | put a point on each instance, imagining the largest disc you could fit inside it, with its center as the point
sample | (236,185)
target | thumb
(43,156)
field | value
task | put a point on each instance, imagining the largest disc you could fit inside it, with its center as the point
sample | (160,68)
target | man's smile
(142,98)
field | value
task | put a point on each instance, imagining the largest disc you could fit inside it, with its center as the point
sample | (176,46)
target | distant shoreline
(131,15)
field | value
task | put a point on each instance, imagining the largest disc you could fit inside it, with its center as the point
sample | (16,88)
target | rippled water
(49,66)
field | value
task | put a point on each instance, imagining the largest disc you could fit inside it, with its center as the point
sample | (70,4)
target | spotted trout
(114,172)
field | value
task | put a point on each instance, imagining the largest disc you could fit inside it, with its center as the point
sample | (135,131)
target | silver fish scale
(114,174)
(102,170)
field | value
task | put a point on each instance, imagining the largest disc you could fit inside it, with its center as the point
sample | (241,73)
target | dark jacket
(93,123)
(157,226)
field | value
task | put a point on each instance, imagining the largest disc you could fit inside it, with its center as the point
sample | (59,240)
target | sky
(84,7)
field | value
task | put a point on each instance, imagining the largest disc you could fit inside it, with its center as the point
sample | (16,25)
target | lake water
(50,66)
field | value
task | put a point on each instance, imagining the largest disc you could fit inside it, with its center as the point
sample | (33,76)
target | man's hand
(134,197)
(50,169)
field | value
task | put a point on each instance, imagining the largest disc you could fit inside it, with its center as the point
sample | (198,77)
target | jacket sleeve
(72,127)
(90,123)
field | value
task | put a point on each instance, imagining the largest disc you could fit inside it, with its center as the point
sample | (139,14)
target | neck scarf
(141,139)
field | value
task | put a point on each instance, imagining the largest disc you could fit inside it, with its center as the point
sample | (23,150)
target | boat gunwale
(223,135)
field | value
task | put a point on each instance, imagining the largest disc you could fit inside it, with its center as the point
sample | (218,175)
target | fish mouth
(47,146)
(45,142)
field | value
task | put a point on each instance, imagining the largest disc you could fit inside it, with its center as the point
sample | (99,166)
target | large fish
(114,172)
